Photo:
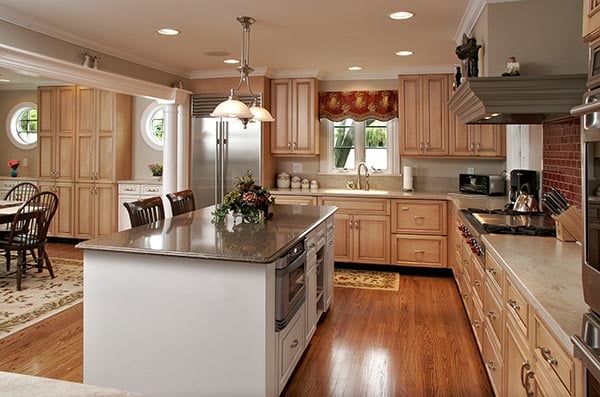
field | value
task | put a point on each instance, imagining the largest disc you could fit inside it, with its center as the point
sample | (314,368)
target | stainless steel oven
(290,284)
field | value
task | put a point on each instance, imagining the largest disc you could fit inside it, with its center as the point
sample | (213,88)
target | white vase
(157,177)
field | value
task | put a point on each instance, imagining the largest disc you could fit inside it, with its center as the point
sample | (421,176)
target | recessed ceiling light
(168,31)
(495,114)
(487,117)
(404,53)
(231,61)
(353,68)
(4,80)
(402,15)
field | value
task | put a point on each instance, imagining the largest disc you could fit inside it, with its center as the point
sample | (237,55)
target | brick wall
(562,159)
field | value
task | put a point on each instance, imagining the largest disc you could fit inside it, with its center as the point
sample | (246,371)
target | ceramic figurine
(512,67)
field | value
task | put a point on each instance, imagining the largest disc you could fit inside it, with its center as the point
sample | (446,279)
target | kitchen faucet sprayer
(359,185)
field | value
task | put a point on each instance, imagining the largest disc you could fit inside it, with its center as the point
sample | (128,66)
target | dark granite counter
(193,235)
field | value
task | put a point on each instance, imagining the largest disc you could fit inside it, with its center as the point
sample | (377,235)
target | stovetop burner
(507,221)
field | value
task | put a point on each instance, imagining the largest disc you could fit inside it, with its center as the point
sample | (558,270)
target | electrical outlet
(470,170)
(24,161)
(296,167)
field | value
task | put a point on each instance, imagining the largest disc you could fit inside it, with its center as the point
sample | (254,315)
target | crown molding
(26,21)
(15,58)
(222,73)
(294,73)
(471,15)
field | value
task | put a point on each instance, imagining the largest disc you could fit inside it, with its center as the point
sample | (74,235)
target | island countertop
(193,235)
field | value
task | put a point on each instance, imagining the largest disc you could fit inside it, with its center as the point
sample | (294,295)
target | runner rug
(366,279)
(40,296)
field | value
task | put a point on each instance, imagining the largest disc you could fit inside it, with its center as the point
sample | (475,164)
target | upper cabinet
(591,20)
(477,140)
(294,105)
(423,115)
(56,135)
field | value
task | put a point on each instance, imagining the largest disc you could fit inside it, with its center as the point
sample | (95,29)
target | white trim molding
(15,58)
(471,16)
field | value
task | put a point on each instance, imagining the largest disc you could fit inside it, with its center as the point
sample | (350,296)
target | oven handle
(586,107)
(296,263)
(588,359)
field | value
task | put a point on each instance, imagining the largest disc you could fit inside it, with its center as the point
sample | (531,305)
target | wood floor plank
(414,342)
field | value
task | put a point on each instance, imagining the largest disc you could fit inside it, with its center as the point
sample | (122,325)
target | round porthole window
(22,125)
(153,125)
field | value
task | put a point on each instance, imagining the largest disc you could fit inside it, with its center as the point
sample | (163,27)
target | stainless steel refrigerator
(221,151)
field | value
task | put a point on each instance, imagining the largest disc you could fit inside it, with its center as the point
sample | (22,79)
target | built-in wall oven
(289,284)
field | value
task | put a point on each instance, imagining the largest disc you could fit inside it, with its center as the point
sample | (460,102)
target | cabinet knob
(491,314)
(490,365)
(513,303)
(476,324)
(476,283)
(294,146)
(421,147)
(294,343)
(289,145)
(427,147)
(419,251)
(491,270)
(546,354)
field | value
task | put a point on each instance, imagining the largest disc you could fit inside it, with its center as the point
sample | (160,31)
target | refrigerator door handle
(217,159)
(225,135)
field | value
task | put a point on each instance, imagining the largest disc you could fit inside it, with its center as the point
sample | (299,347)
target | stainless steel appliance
(290,285)
(221,151)
(481,184)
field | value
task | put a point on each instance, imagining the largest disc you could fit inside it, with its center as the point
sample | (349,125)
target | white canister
(296,182)
(283,180)
(314,185)
(305,183)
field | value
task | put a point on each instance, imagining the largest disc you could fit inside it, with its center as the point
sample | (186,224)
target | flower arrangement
(14,164)
(248,200)
(156,169)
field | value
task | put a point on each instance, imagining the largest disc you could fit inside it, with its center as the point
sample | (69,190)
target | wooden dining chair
(22,192)
(182,202)
(29,232)
(145,211)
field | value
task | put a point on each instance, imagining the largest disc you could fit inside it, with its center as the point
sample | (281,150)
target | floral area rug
(366,279)
(40,296)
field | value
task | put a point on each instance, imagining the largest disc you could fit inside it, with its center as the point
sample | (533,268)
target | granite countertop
(17,385)
(193,235)
(547,272)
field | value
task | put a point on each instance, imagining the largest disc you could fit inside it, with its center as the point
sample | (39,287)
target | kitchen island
(187,307)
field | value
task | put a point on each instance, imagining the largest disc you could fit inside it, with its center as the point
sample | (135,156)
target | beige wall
(142,154)
(8,99)
(544,36)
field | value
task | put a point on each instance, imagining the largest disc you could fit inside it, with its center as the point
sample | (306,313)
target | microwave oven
(489,185)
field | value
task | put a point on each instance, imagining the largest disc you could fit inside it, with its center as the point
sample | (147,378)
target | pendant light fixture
(233,107)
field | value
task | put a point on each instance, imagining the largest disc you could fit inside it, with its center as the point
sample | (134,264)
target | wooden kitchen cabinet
(417,250)
(294,199)
(477,140)
(517,362)
(423,115)
(294,105)
(96,212)
(56,133)
(62,224)
(419,216)
(591,20)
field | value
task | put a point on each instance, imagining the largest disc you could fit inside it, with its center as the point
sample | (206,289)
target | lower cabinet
(290,347)
(363,239)
(62,224)
(96,214)
(416,250)
(294,199)
(517,362)
(129,192)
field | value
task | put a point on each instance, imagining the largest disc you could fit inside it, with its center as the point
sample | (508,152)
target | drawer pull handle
(476,283)
(548,356)
(526,375)
(490,365)
(491,314)
(491,270)
(476,324)
(404,208)
(513,303)
(321,236)
(419,251)
(465,296)
(294,343)
(466,261)
(419,217)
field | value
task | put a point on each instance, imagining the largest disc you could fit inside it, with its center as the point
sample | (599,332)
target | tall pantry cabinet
(84,148)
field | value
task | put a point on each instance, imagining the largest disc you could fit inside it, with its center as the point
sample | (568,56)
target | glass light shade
(260,114)
(232,108)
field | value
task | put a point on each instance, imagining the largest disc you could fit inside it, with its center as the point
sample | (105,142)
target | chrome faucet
(359,185)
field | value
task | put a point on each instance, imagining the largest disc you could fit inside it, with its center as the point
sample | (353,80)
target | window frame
(11,125)
(146,125)
(327,163)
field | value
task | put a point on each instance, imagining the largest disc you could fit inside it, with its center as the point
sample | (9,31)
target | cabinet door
(63,219)
(460,137)
(105,139)
(46,131)
(65,132)
(415,250)
(105,209)
(435,114)
(85,155)
(304,116)
(311,301)
(371,239)
(343,238)
(409,115)
(123,221)
(281,108)
(489,140)
(85,210)
(517,362)
(591,20)
(49,187)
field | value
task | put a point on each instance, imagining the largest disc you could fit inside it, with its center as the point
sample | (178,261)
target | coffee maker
(524,182)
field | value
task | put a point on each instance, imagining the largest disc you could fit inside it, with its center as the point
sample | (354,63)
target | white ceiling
(325,36)
(20,80)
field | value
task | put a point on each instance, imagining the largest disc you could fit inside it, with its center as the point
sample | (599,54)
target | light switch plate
(25,162)
(297,167)
(470,170)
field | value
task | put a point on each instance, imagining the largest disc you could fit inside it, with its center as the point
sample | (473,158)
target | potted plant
(14,164)
(156,169)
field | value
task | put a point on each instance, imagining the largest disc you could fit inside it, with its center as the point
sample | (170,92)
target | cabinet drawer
(551,358)
(364,206)
(291,345)
(477,281)
(517,307)
(330,225)
(294,200)
(418,250)
(492,362)
(495,273)
(419,216)
(493,311)
(311,243)
(321,235)
(130,189)
(151,190)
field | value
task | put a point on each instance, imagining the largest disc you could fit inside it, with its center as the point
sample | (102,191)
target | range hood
(517,99)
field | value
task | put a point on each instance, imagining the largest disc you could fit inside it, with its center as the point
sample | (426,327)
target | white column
(169,179)
(183,145)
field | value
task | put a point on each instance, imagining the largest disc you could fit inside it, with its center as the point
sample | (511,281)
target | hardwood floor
(414,342)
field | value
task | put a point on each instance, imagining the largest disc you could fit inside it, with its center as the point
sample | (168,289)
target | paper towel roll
(407,178)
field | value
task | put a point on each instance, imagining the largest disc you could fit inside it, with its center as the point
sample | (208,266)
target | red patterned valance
(358,105)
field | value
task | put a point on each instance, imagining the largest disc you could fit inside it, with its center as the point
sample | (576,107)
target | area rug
(366,279)
(40,296)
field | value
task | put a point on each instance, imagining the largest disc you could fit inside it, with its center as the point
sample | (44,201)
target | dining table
(8,209)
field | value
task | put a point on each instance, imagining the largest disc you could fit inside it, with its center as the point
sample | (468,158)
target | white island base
(175,326)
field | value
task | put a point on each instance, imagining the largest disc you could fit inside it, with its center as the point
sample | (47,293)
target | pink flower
(14,164)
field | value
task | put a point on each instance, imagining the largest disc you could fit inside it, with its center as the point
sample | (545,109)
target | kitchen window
(153,125)
(351,142)
(22,125)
